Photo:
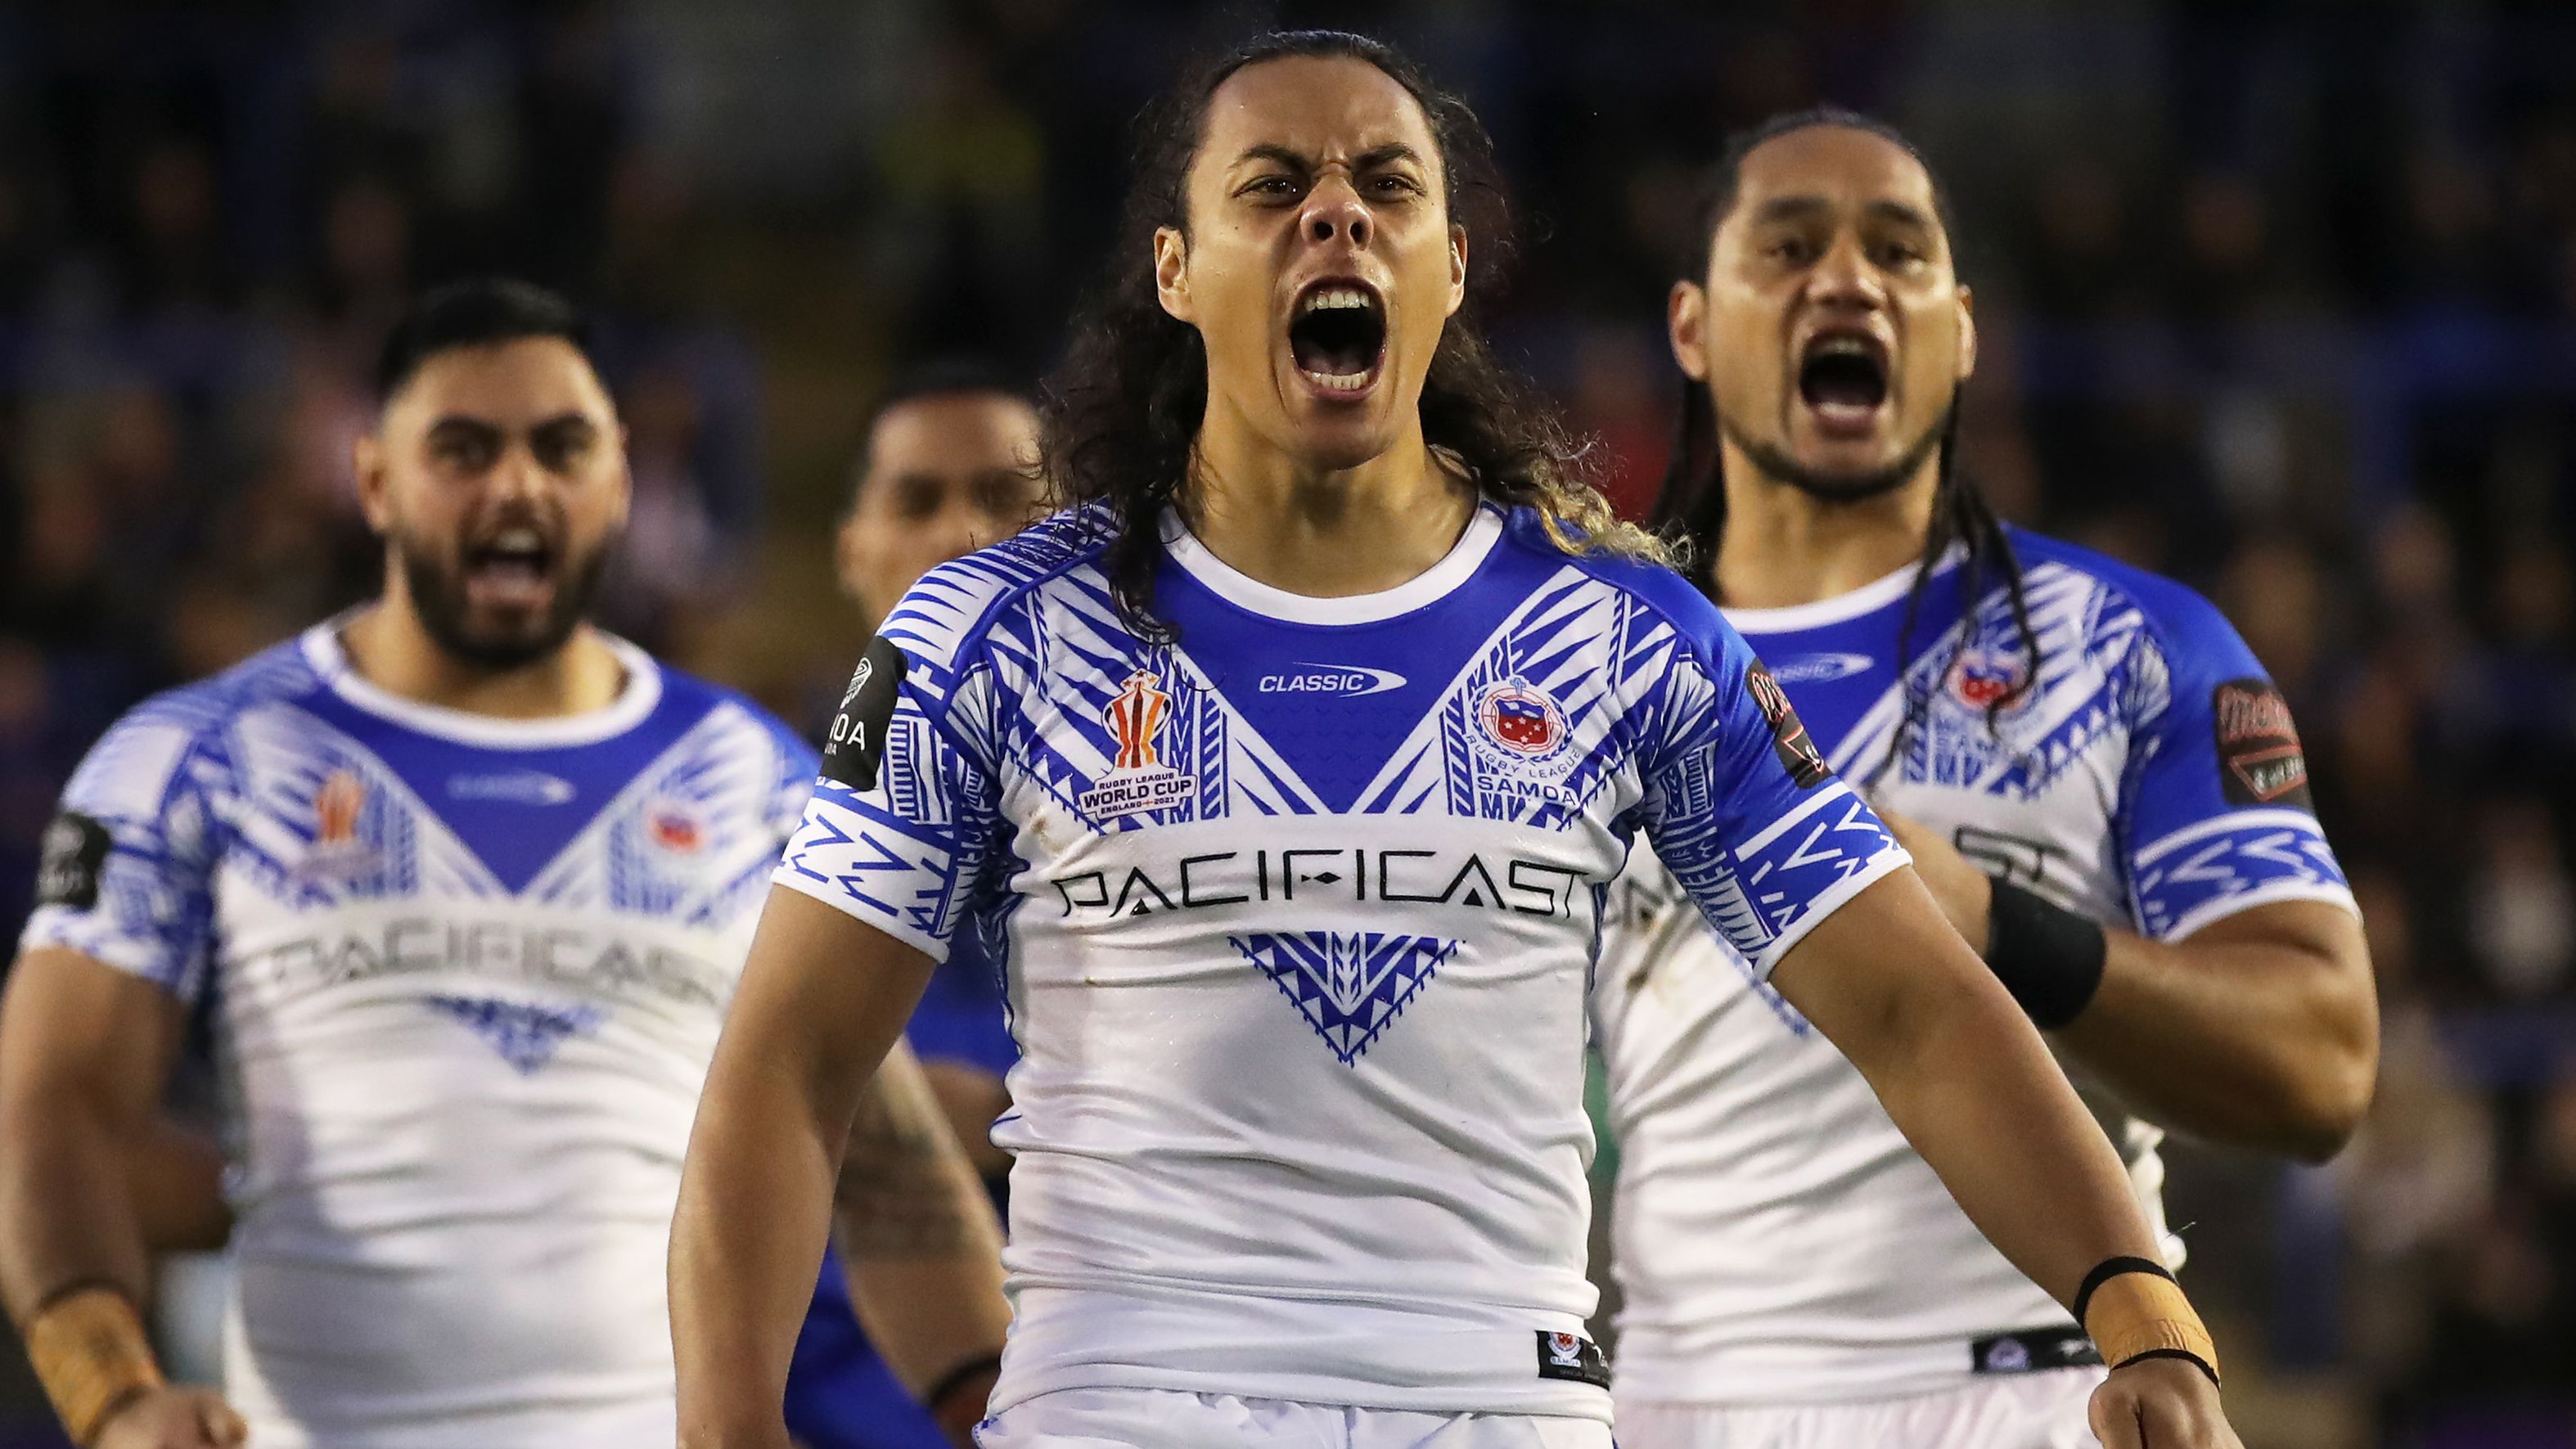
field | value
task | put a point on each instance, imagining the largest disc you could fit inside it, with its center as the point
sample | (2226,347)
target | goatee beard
(438,601)
(1839,488)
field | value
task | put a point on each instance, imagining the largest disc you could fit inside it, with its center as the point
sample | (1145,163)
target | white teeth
(1337,381)
(1842,346)
(1333,299)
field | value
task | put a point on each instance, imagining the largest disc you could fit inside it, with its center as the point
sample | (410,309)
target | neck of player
(1323,532)
(1784,546)
(390,649)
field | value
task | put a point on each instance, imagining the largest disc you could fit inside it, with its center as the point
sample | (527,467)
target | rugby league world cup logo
(1138,780)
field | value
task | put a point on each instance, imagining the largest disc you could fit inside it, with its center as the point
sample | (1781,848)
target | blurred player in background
(465,884)
(949,465)
(2098,783)
(1287,769)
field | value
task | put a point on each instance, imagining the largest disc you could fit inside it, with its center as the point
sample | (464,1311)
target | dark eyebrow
(1381,155)
(1903,212)
(1789,208)
(1273,151)
(1392,151)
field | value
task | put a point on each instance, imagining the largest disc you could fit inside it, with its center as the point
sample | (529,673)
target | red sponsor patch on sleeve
(2259,759)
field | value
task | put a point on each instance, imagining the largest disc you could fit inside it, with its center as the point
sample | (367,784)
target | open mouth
(513,568)
(1338,336)
(1843,379)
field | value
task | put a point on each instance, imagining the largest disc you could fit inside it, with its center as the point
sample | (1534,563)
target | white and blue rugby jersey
(1776,1240)
(466,976)
(1298,913)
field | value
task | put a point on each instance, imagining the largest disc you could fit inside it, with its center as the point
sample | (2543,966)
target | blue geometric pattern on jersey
(1346,986)
(2258,850)
(1549,692)
(2116,729)
(525,1036)
(515,809)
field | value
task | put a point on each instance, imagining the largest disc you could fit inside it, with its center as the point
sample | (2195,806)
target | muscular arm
(822,999)
(1965,1077)
(85,1051)
(2261,1029)
(919,1242)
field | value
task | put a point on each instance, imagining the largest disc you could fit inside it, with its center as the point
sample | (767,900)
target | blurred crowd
(2277,297)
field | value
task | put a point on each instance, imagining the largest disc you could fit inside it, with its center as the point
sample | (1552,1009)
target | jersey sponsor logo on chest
(1348,681)
(1356,875)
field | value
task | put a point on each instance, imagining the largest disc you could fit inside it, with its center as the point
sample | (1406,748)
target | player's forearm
(65,1214)
(2265,1035)
(919,1240)
(749,1230)
(1965,1076)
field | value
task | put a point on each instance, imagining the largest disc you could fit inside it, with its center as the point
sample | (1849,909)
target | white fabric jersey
(1298,913)
(465,977)
(1170,1419)
(1776,1239)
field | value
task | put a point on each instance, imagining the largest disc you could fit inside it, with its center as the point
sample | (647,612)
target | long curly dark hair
(1692,506)
(1121,414)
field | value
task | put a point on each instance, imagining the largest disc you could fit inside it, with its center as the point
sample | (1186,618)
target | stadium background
(2278,297)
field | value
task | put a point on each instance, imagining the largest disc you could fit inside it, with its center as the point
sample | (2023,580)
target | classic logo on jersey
(1985,678)
(1348,987)
(855,743)
(1789,739)
(1347,680)
(1138,780)
(675,827)
(1819,668)
(1572,1356)
(513,787)
(526,1037)
(72,855)
(2259,759)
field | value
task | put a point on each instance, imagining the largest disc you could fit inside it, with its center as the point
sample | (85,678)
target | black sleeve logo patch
(2259,759)
(856,743)
(1789,738)
(70,858)
(1572,1356)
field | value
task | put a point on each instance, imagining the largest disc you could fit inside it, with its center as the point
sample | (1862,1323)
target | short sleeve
(2215,816)
(906,805)
(1742,807)
(127,863)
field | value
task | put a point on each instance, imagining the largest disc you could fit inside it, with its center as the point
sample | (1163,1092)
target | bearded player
(464,884)
(2095,778)
(1286,773)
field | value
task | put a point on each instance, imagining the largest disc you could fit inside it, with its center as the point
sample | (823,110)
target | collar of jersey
(1869,598)
(1246,592)
(643,690)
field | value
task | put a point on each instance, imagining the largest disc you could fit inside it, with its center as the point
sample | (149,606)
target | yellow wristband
(2136,1314)
(91,1354)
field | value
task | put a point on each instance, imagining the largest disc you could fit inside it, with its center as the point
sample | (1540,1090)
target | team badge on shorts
(1573,1357)
(1138,780)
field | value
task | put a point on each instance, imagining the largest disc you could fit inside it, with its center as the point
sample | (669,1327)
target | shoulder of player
(2178,618)
(1656,588)
(141,752)
(945,619)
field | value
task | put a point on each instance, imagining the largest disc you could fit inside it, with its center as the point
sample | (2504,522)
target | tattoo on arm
(899,1192)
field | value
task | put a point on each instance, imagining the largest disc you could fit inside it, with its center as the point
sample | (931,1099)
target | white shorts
(2042,1410)
(1170,1419)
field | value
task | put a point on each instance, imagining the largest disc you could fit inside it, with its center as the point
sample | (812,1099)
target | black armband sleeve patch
(1789,738)
(72,854)
(2259,759)
(856,743)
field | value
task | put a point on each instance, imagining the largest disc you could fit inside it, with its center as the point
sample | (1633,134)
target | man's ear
(367,462)
(1967,335)
(1172,272)
(1686,328)
(1457,270)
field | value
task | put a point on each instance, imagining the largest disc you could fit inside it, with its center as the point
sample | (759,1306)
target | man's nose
(1844,276)
(1333,210)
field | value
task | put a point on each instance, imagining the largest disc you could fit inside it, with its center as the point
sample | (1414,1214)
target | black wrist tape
(2048,957)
